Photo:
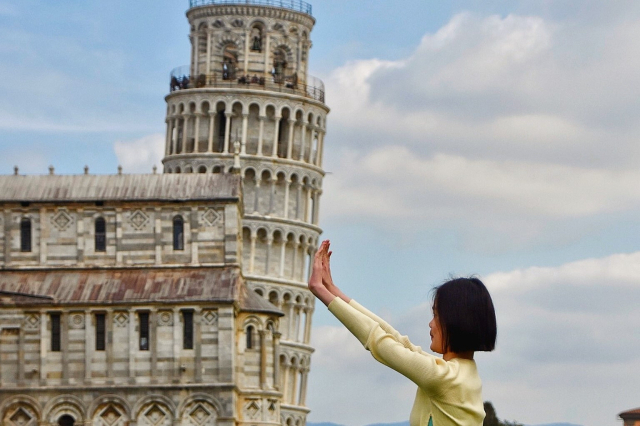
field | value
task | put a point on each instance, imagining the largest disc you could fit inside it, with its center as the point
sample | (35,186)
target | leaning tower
(246,103)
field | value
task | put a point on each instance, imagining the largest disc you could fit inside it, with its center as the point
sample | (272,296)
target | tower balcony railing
(313,88)
(295,5)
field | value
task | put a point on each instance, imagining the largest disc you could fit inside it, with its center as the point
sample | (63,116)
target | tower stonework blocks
(178,299)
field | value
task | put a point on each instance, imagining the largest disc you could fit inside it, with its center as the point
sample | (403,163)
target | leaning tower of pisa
(246,103)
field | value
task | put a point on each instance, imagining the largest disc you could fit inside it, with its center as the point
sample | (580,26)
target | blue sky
(497,138)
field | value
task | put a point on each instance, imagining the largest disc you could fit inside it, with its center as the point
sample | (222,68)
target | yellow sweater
(448,391)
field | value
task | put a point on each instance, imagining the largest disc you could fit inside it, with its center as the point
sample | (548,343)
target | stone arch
(228,38)
(257,33)
(154,410)
(286,47)
(274,298)
(201,106)
(200,410)
(110,410)
(202,169)
(20,410)
(269,106)
(252,320)
(64,405)
(249,173)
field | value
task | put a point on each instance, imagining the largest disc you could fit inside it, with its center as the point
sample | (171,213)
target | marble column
(261,133)
(227,130)
(290,143)
(276,135)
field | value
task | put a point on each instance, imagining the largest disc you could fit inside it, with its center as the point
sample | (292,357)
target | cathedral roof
(130,286)
(121,187)
(630,415)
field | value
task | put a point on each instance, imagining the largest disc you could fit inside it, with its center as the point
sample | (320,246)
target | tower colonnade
(293,131)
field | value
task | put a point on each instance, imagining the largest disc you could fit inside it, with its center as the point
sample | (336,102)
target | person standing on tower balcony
(464,321)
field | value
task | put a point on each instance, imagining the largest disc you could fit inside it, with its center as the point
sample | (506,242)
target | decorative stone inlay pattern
(121,319)
(20,418)
(32,321)
(61,220)
(138,219)
(209,317)
(211,217)
(252,409)
(272,411)
(76,321)
(154,416)
(110,417)
(165,318)
(201,416)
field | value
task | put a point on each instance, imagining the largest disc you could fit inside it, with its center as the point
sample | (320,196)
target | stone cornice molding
(269,12)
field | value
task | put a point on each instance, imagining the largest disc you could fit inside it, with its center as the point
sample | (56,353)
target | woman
(464,321)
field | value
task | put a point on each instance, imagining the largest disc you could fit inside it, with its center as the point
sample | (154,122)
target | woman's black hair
(466,315)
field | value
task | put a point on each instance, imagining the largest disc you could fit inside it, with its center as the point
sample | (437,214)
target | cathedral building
(177,298)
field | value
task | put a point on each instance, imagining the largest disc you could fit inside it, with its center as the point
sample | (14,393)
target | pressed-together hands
(321,283)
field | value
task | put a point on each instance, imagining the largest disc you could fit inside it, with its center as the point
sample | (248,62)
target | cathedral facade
(178,298)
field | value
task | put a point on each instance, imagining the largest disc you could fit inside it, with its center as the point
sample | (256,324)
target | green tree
(491,418)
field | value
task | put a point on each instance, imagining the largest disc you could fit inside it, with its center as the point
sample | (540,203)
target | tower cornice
(214,10)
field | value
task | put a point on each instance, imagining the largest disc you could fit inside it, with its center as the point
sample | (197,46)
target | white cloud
(396,187)
(517,87)
(510,124)
(567,350)
(140,155)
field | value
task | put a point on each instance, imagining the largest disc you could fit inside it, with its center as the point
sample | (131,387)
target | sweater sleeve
(391,349)
(386,327)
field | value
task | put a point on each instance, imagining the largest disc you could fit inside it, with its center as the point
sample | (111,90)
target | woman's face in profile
(436,334)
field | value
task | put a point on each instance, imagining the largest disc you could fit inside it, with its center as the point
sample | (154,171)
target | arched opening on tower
(66,420)
(297,135)
(253,132)
(261,261)
(221,126)
(190,123)
(249,190)
(279,66)
(289,255)
(229,62)
(180,129)
(277,264)
(256,37)
(203,128)
(283,133)
(270,130)
(247,252)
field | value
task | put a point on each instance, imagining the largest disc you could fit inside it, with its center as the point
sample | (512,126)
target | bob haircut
(466,315)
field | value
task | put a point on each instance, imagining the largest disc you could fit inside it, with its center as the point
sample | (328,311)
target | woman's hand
(316,285)
(327,280)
